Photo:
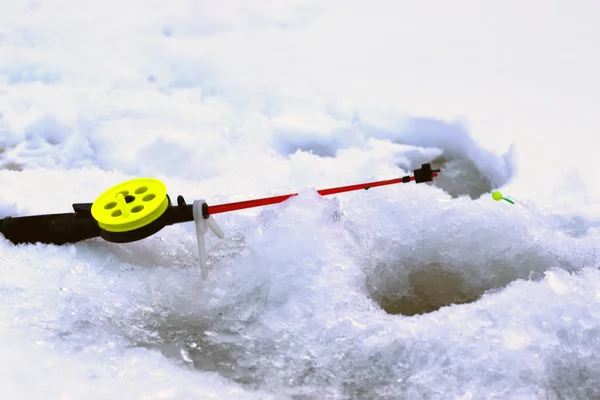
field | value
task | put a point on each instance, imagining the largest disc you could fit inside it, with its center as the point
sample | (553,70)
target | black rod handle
(49,228)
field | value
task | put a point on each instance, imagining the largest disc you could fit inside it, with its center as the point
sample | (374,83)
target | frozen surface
(412,291)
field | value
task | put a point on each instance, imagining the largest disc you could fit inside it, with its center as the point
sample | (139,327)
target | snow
(407,291)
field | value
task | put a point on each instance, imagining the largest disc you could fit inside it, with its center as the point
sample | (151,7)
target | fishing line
(496,195)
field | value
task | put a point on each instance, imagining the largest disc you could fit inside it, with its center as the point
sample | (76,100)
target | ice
(410,291)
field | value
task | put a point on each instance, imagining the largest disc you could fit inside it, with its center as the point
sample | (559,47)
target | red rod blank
(266,201)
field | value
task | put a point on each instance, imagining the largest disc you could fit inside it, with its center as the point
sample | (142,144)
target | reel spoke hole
(141,190)
(110,205)
(149,197)
(137,209)
(129,199)
(116,213)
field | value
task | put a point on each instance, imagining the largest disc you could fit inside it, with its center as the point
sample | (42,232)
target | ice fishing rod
(138,208)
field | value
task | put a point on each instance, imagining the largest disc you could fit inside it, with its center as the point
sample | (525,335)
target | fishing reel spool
(139,208)
(131,210)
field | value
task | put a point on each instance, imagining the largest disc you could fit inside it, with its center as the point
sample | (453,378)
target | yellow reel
(130,205)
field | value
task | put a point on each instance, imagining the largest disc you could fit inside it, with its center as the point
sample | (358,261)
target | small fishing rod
(136,209)
(139,208)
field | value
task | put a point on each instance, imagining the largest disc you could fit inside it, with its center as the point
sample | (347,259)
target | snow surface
(409,291)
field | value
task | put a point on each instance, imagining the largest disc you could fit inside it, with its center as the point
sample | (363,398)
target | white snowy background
(409,291)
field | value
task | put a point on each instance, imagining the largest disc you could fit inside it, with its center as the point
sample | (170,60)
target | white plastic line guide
(202,226)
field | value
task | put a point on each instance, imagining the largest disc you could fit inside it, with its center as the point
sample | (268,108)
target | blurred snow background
(413,291)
